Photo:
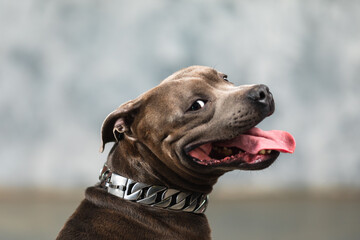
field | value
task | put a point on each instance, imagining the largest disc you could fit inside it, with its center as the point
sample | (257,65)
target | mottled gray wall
(65,64)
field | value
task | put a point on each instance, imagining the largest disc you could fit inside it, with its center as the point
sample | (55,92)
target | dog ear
(118,122)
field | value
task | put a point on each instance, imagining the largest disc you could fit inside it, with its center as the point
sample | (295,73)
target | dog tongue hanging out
(172,144)
(253,146)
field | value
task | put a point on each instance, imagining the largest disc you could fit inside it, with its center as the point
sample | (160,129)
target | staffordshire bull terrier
(172,143)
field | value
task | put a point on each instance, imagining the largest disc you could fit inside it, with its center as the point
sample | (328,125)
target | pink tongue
(256,140)
(252,142)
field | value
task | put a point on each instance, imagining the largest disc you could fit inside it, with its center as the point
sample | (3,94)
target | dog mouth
(252,150)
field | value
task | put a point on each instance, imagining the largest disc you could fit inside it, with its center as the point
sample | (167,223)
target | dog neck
(153,195)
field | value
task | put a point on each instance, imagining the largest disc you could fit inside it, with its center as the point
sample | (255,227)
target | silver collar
(152,195)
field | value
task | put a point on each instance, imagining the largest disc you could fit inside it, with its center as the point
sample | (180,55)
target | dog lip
(260,165)
(239,163)
(191,147)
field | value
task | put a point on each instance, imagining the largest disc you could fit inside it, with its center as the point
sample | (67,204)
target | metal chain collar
(152,195)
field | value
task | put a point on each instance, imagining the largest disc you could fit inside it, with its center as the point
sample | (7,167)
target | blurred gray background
(64,65)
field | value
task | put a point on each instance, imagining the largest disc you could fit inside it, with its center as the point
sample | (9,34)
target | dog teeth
(227,151)
(223,150)
(263,152)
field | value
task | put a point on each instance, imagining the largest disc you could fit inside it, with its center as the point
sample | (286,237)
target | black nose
(262,95)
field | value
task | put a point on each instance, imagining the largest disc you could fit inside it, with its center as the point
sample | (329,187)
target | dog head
(199,125)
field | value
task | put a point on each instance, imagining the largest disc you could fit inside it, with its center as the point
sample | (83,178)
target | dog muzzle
(152,195)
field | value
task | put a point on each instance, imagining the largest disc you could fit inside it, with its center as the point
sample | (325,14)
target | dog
(172,143)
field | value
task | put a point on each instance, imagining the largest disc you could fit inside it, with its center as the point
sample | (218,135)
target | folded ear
(118,122)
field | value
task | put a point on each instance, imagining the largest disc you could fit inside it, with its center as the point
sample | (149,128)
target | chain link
(152,195)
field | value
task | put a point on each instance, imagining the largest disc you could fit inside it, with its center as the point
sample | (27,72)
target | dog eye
(225,77)
(198,104)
